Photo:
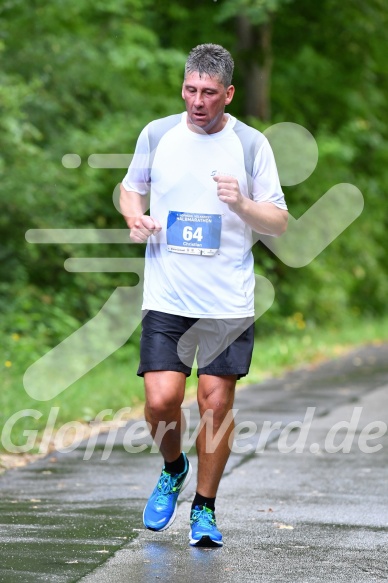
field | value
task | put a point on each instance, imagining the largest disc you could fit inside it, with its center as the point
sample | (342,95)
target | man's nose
(198,101)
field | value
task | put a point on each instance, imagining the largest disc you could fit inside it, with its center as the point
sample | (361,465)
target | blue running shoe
(204,531)
(160,510)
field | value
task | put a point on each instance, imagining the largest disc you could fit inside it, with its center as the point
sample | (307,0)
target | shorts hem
(159,366)
(223,372)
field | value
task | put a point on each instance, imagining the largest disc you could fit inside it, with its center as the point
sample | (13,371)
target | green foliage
(257,11)
(332,80)
(84,80)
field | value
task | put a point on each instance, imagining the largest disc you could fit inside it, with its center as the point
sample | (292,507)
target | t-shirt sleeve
(266,183)
(138,177)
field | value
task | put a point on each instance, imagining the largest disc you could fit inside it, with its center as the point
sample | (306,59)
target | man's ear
(183,87)
(229,94)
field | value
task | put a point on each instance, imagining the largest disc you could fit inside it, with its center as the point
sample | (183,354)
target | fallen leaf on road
(282,526)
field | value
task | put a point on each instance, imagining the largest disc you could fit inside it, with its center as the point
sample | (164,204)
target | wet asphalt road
(315,515)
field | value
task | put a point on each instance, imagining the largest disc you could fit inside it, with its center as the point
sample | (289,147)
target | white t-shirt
(183,193)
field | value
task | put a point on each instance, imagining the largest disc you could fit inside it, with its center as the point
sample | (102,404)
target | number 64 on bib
(193,233)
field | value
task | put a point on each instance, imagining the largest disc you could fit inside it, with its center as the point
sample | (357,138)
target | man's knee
(164,395)
(216,401)
(162,406)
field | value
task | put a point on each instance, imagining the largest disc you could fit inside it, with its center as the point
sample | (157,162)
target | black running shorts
(170,342)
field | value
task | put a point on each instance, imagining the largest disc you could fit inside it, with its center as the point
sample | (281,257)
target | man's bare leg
(164,395)
(215,394)
(215,400)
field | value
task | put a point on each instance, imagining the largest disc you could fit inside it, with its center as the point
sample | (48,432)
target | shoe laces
(203,516)
(167,485)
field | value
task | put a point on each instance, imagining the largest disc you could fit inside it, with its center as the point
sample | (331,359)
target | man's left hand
(228,191)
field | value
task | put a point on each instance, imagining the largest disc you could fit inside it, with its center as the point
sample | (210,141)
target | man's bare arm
(262,217)
(133,206)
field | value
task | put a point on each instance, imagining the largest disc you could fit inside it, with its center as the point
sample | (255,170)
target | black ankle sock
(175,467)
(200,500)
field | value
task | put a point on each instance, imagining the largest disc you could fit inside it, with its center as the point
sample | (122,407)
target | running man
(199,280)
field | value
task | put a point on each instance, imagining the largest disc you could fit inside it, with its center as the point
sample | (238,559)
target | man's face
(206,98)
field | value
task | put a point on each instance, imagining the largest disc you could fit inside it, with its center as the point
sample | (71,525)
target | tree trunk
(255,49)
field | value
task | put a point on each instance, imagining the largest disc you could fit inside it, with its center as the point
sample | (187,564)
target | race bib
(193,233)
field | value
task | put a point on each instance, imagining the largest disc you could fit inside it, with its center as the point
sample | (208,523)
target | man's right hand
(143,227)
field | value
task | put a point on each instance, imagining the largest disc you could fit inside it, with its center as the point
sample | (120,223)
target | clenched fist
(228,191)
(143,228)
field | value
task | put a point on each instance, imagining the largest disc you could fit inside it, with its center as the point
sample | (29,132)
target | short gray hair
(212,60)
